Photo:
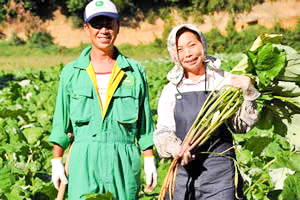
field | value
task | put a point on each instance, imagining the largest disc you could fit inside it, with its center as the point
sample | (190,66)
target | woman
(195,74)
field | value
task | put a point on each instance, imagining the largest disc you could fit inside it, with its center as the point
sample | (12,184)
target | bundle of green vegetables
(268,155)
(276,70)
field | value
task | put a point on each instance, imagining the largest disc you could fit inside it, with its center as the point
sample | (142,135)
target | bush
(40,39)
(215,41)
(3,11)
(290,37)
(16,40)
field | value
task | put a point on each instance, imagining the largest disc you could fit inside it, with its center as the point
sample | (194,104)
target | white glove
(58,172)
(150,171)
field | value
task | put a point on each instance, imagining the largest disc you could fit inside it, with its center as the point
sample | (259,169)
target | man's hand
(58,172)
(150,171)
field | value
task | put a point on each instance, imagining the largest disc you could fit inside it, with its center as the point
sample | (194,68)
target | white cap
(100,8)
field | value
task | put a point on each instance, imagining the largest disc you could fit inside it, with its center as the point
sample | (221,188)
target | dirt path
(285,12)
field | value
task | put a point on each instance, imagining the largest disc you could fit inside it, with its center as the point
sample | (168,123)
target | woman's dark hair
(185,29)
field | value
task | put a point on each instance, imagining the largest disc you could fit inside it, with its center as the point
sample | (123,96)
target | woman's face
(190,52)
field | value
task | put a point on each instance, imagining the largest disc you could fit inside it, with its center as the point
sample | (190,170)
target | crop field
(268,156)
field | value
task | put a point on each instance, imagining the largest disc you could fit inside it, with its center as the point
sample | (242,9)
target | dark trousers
(209,177)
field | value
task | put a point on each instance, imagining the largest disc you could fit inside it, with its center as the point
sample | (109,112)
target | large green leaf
(265,38)
(288,160)
(105,196)
(6,179)
(18,193)
(33,134)
(43,117)
(258,144)
(242,67)
(293,134)
(291,189)
(295,101)
(278,176)
(243,156)
(284,88)
(42,190)
(291,72)
(272,150)
(268,62)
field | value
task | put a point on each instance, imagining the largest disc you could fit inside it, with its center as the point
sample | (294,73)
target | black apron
(208,176)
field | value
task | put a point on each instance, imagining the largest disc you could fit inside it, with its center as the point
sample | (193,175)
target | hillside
(284,12)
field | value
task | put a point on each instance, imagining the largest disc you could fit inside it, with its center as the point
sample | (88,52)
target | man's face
(102,32)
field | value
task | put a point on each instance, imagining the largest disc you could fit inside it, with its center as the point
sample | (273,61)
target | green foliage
(156,70)
(2,10)
(75,8)
(217,42)
(128,8)
(268,62)
(15,40)
(40,39)
(28,97)
(291,188)
(27,105)
(142,52)
(76,5)
(291,37)
(11,50)
(40,8)
(235,42)
(208,6)
(270,152)
(106,196)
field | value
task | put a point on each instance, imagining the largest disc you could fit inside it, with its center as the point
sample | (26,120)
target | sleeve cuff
(146,141)
(62,140)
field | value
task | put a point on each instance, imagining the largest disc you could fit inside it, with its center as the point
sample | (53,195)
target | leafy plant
(40,39)
(27,102)
(105,196)
(16,40)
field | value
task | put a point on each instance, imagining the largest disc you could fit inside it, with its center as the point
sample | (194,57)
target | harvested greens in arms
(276,70)
(268,155)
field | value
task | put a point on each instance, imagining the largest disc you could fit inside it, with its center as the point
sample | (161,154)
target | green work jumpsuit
(105,155)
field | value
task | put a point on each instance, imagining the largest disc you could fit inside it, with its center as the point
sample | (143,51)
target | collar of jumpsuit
(116,75)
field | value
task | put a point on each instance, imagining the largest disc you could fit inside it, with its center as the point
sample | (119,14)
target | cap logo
(99,3)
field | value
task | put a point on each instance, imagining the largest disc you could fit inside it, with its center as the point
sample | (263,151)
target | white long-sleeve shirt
(164,137)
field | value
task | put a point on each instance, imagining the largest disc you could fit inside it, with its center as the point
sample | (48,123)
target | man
(103,100)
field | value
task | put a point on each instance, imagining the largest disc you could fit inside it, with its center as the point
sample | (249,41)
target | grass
(157,49)
(16,57)
(35,62)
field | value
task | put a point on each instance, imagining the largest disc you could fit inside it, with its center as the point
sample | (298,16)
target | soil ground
(284,12)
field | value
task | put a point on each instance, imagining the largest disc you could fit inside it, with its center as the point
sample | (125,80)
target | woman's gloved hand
(244,82)
(58,172)
(150,171)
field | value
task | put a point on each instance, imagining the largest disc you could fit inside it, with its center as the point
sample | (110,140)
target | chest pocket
(81,105)
(125,105)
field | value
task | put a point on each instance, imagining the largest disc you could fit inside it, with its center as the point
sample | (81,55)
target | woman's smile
(191,61)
